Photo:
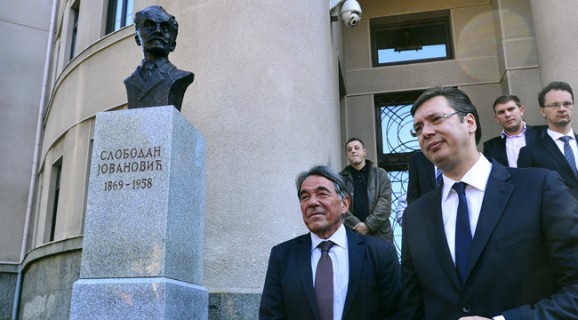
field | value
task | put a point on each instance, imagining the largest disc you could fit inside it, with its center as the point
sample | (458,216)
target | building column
(266,99)
(517,56)
(556,29)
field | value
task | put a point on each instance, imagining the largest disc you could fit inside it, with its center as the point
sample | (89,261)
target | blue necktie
(438,176)
(463,232)
(324,282)
(569,154)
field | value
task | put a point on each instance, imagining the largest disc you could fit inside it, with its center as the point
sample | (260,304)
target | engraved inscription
(129,160)
(135,184)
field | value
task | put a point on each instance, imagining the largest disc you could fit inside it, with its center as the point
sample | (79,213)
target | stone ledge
(8,268)
(52,248)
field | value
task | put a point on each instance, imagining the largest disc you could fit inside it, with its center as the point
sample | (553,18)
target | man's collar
(365,167)
(338,238)
(556,135)
(506,135)
(158,62)
(476,177)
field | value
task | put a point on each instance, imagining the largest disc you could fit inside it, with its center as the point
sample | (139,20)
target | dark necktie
(568,153)
(463,233)
(324,282)
(148,70)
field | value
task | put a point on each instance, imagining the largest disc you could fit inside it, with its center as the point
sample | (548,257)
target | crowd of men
(490,235)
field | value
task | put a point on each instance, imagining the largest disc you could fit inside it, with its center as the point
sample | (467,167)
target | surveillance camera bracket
(333,4)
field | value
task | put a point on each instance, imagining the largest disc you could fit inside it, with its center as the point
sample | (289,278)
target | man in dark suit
(156,82)
(493,242)
(508,112)
(365,269)
(551,152)
(422,177)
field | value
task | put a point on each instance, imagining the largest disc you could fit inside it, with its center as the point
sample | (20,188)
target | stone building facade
(279,87)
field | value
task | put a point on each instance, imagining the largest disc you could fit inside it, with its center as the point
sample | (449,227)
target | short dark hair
(354,139)
(457,99)
(505,99)
(555,85)
(325,172)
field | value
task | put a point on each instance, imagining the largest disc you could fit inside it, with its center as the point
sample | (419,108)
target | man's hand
(361,228)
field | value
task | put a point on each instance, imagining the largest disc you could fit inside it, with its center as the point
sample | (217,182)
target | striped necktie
(439,178)
(568,154)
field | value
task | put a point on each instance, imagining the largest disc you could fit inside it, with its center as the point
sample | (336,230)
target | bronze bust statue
(156,82)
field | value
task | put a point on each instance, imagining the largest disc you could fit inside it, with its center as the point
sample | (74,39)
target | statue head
(156,31)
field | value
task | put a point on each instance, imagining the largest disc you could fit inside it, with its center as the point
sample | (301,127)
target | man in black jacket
(370,192)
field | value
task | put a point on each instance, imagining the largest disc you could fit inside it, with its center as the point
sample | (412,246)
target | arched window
(395,144)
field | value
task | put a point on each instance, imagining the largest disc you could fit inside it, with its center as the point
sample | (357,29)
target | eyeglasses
(557,105)
(433,121)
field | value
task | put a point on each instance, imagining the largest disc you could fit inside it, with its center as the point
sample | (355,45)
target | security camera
(351,13)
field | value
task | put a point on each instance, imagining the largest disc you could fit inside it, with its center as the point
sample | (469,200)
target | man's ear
(345,204)
(137,39)
(471,121)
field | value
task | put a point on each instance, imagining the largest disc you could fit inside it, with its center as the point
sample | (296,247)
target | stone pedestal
(143,239)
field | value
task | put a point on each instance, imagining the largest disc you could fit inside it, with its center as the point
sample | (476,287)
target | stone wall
(7,289)
(47,286)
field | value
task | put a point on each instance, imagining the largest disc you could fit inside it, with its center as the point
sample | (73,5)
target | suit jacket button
(467,309)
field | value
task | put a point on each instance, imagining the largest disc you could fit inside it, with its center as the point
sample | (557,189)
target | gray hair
(325,172)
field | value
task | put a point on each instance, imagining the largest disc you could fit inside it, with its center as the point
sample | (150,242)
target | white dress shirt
(513,145)
(340,260)
(476,179)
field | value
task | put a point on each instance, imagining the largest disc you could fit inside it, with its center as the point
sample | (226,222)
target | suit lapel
(159,75)
(496,196)
(534,133)
(502,155)
(552,148)
(531,135)
(306,275)
(434,227)
(431,172)
(137,80)
(356,261)
(155,79)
